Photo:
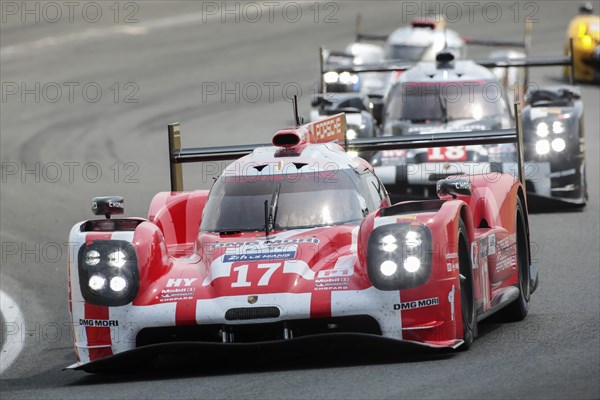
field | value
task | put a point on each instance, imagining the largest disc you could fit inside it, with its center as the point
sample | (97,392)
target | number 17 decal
(242,275)
(219,269)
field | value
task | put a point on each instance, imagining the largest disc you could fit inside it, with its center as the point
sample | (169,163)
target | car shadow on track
(199,365)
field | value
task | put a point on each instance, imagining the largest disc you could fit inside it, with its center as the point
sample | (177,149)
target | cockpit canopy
(422,102)
(305,200)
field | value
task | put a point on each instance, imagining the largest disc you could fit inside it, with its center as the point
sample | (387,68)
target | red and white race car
(297,243)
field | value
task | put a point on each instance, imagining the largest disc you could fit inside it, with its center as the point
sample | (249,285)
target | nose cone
(291,263)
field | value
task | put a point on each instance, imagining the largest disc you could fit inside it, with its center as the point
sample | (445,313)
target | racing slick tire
(518,309)
(467,297)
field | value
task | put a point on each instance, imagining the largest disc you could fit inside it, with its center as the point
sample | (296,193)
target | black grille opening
(234,314)
(255,333)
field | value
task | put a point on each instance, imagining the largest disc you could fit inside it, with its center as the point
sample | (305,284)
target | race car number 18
(455,153)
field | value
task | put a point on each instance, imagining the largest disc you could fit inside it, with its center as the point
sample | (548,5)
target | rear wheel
(518,309)
(467,297)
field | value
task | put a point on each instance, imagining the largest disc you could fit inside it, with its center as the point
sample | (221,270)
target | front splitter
(329,345)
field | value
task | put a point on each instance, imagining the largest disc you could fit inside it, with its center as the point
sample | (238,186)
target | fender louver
(235,314)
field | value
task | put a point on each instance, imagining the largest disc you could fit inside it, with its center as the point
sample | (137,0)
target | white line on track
(13,345)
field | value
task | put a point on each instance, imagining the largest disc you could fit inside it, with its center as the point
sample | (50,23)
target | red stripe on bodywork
(97,336)
(185,313)
(320,304)
(96,354)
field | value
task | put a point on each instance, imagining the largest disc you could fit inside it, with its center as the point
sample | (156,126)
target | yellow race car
(584,29)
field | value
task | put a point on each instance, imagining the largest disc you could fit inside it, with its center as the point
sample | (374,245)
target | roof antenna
(297,118)
(321,72)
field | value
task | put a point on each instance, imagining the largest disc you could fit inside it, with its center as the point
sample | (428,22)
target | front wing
(331,344)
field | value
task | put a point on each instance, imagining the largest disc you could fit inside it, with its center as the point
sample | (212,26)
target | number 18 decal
(454,153)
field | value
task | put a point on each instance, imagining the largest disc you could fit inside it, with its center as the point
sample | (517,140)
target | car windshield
(420,103)
(305,200)
(406,53)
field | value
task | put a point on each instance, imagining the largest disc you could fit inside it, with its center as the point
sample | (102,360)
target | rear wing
(331,128)
(391,66)
(438,22)
(525,44)
(535,61)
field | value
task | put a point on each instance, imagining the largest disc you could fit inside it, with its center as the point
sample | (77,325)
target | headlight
(558,127)
(558,145)
(330,77)
(108,272)
(345,78)
(92,257)
(413,240)
(412,264)
(389,243)
(118,284)
(542,147)
(399,256)
(117,259)
(351,134)
(97,282)
(542,129)
(388,268)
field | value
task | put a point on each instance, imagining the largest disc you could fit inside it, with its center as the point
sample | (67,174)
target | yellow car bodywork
(585,32)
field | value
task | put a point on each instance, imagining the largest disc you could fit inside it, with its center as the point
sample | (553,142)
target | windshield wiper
(271,212)
(443,107)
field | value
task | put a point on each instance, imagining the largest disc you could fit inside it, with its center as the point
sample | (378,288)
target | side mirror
(454,187)
(108,205)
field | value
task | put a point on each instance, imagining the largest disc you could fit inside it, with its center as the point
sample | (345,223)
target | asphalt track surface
(167,61)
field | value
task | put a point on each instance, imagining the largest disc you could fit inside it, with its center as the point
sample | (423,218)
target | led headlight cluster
(548,139)
(108,272)
(399,256)
(344,78)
